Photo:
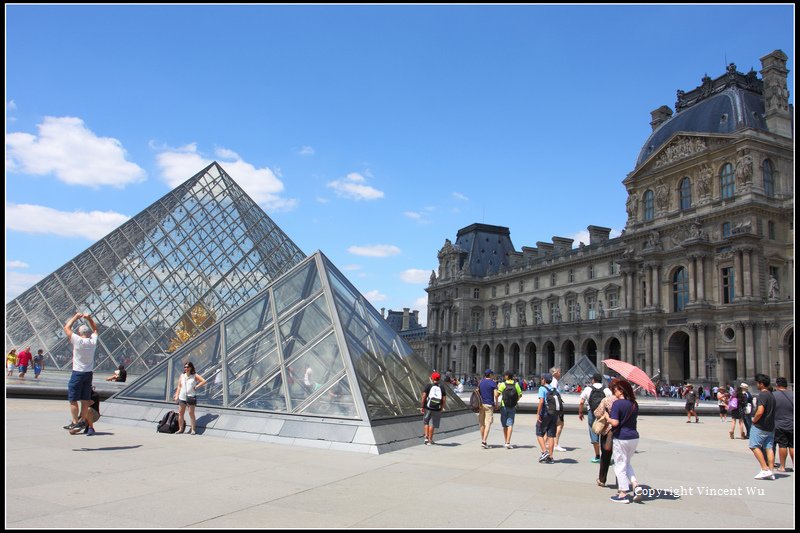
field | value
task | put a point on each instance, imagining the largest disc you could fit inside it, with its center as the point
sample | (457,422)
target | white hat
(744,386)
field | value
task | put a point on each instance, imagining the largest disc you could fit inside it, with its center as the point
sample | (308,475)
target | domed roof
(730,103)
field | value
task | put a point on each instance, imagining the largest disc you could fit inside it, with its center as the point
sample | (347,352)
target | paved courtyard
(131,477)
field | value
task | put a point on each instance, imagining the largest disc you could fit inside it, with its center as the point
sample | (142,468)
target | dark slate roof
(730,103)
(395,320)
(488,247)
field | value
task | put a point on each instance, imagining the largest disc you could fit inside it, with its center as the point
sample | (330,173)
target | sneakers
(80,426)
(90,432)
(560,449)
(620,499)
(765,474)
(427,442)
(594,460)
(484,446)
(508,446)
(543,457)
(549,460)
(192,433)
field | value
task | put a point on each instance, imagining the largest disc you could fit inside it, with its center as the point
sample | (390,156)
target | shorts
(723,410)
(547,426)
(507,415)
(432,418)
(784,438)
(689,406)
(760,438)
(80,386)
(736,414)
(486,415)
(594,438)
(23,369)
(37,369)
(10,367)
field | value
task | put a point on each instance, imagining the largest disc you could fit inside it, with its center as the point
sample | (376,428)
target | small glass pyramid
(309,344)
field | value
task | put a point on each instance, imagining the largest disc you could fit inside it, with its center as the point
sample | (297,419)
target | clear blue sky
(372,133)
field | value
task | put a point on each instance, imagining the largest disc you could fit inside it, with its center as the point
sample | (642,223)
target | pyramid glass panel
(581,372)
(161,278)
(317,368)
(335,401)
(268,397)
(307,324)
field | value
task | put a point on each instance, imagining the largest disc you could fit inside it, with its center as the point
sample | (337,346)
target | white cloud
(375,250)
(306,150)
(16,264)
(459,196)
(75,154)
(322,200)
(580,237)
(354,186)
(374,296)
(11,105)
(93,225)
(18,282)
(413,215)
(416,276)
(421,305)
(262,184)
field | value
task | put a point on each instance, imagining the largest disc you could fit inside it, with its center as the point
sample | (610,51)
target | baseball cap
(488,372)
(435,376)
(547,377)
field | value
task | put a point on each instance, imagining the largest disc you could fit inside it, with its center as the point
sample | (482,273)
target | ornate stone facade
(684,292)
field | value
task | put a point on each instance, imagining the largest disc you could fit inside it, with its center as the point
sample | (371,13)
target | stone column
(692,352)
(701,280)
(692,280)
(763,356)
(648,351)
(657,286)
(738,276)
(775,353)
(749,350)
(631,356)
(701,350)
(630,290)
(648,279)
(658,355)
(748,291)
(740,361)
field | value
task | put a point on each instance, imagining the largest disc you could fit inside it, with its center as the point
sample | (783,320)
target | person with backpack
(488,391)
(547,414)
(433,402)
(510,394)
(593,395)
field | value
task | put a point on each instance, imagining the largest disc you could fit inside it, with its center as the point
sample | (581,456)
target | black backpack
(168,423)
(510,396)
(553,402)
(595,397)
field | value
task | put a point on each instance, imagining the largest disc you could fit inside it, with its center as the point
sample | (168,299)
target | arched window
(680,289)
(769,178)
(686,194)
(648,205)
(727,186)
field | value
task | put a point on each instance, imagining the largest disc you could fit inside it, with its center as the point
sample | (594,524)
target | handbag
(599,426)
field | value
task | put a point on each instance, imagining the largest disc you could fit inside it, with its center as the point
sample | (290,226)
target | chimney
(405,319)
(598,234)
(776,94)
(383,313)
(416,317)
(545,248)
(659,116)
(562,244)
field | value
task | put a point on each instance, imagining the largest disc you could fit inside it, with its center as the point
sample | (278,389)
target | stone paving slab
(148,480)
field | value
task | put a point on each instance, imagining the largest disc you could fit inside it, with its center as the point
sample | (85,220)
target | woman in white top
(186,394)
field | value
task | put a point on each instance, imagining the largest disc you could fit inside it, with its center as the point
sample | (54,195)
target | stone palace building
(700,285)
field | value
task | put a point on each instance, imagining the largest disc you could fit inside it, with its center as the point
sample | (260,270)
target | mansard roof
(730,103)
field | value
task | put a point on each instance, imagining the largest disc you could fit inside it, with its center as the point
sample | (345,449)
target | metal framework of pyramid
(306,361)
(580,374)
(158,280)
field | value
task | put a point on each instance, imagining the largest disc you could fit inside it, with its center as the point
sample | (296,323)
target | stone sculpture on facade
(774,290)
(600,311)
(744,168)
(577,311)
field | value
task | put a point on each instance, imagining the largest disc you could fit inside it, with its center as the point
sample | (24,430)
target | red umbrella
(634,374)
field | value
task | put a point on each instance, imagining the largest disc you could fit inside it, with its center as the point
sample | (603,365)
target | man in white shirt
(84,344)
(593,396)
(556,373)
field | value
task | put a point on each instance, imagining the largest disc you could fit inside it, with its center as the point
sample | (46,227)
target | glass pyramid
(160,279)
(309,344)
(580,374)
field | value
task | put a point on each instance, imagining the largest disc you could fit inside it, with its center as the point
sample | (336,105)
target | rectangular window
(553,279)
(494,292)
(771,230)
(612,268)
(612,299)
(553,311)
(591,271)
(571,276)
(591,302)
(726,229)
(507,289)
(476,293)
(521,285)
(536,282)
(571,310)
(728,293)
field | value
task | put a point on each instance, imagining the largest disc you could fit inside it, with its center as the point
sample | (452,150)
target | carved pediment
(679,148)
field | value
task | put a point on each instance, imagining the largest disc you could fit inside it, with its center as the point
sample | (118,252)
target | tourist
(784,422)
(488,389)
(508,404)
(433,401)
(593,395)
(84,344)
(186,394)
(623,417)
(762,434)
